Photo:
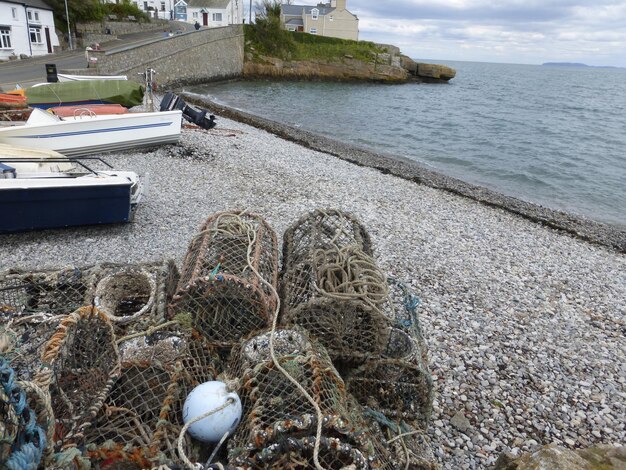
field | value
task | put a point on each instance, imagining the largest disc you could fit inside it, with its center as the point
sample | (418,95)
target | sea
(551,135)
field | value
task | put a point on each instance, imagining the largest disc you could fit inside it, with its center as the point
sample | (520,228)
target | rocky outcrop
(345,69)
(553,457)
(433,73)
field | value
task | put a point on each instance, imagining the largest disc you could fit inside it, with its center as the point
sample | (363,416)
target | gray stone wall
(183,59)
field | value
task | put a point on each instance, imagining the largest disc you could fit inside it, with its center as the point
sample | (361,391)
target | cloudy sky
(514,31)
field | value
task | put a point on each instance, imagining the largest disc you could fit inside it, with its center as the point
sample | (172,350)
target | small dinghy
(44,189)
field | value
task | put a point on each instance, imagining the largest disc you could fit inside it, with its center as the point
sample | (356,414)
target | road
(30,71)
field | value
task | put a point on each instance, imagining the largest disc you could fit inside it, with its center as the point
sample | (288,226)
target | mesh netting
(53,292)
(134,297)
(81,363)
(332,287)
(220,282)
(279,423)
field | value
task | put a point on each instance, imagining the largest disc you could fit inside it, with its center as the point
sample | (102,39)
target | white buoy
(204,398)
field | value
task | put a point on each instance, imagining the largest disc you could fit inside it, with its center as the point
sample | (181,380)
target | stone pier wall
(183,59)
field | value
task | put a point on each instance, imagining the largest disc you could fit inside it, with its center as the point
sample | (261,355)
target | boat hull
(33,207)
(97,134)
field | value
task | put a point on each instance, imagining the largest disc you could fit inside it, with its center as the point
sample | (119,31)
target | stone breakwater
(524,323)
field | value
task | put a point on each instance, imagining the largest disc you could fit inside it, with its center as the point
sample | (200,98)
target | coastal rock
(345,69)
(435,72)
(559,458)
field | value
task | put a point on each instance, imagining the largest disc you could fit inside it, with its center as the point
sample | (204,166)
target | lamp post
(69,31)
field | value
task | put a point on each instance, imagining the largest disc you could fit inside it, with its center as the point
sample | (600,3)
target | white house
(209,13)
(26,27)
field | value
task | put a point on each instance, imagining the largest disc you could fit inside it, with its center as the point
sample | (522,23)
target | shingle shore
(525,324)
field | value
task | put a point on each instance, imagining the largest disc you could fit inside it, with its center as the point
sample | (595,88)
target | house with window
(326,19)
(26,27)
(214,13)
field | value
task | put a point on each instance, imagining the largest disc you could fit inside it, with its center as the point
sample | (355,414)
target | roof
(208,3)
(295,22)
(296,10)
(31,3)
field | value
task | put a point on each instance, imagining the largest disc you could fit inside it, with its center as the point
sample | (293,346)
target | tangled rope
(348,273)
(29,440)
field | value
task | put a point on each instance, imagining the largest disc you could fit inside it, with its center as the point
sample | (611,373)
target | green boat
(47,95)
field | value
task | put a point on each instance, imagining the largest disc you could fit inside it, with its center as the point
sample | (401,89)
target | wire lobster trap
(323,229)
(133,296)
(81,363)
(51,292)
(228,277)
(332,287)
(398,383)
(279,426)
(141,418)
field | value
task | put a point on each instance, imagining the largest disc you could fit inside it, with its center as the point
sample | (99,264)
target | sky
(592,32)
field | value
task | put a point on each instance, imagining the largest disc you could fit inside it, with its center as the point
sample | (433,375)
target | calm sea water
(550,135)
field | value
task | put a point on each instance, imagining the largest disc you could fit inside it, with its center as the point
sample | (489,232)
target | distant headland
(577,64)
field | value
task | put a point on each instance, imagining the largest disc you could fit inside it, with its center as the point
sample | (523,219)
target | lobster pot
(52,292)
(27,336)
(350,330)
(279,423)
(22,440)
(130,415)
(134,297)
(221,282)
(199,363)
(323,229)
(81,365)
(399,389)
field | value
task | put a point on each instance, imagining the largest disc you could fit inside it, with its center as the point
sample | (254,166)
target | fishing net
(279,422)
(332,287)
(396,388)
(81,363)
(220,283)
(134,297)
(22,440)
(52,292)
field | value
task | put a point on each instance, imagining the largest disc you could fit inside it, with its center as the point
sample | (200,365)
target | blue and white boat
(44,189)
(87,133)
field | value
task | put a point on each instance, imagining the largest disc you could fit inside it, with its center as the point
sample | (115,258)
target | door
(48,42)
(205,19)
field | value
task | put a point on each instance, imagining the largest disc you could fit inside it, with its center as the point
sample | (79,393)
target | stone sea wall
(183,59)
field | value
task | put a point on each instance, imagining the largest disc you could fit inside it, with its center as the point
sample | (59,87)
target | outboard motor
(171,102)
(199,117)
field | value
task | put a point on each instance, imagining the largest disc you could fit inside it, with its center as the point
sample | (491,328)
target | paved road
(30,71)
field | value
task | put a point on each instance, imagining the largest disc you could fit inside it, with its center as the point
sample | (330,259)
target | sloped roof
(208,3)
(296,10)
(295,22)
(31,3)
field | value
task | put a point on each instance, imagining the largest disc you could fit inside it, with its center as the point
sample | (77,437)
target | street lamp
(69,31)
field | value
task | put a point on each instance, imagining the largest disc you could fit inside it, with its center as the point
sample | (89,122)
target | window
(14,13)
(30,15)
(330,18)
(195,14)
(217,17)
(162,6)
(37,16)
(313,30)
(315,13)
(5,37)
(35,35)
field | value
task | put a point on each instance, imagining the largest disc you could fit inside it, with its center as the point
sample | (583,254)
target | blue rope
(28,446)
(410,302)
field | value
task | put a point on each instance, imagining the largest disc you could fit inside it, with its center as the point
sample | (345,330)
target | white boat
(88,133)
(63,77)
(44,189)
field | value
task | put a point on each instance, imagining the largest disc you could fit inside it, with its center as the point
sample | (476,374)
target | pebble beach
(525,323)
